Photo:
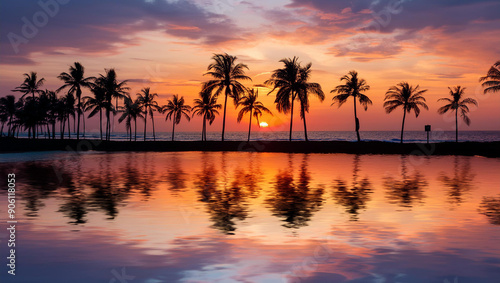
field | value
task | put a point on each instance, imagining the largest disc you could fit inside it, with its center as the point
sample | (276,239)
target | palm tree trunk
(1,131)
(305,126)
(83,119)
(62,125)
(107,124)
(456,125)
(224,119)
(203,130)
(249,125)
(173,128)
(100,121)
(153,121)
(54,130)
(135,129)
(356,120)
(78,94)
(69,127)
(145,123)
(403,126)
(291,118)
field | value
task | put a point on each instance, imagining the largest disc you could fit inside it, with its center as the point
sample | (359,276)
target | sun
(263,124)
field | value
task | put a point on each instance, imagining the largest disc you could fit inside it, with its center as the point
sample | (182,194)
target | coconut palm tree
(147,102)
(207,107)
(75,81)
(97,103)
(406,96)
(354,87)
(457,103)
(305,89)
(130,111)
(8,110)
(113,89)
(252,106)
(31,85)
(491,82)
(175,109)
(226,75)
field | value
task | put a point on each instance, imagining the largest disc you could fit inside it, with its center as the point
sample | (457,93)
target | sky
(168,44)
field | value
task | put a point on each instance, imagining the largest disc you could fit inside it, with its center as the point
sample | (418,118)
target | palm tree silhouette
(97,103)
(252,106)
(305,89)
(291,82)
(148,104)
(457,103)
(130,111)
(112,89)
(8,110)
(226,76)
(30,85)
(175,109)
(75,81)
(406,96)
(354,87)
(491,82)
(207,107)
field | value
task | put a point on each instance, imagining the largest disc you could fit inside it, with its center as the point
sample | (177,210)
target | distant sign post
(428,130)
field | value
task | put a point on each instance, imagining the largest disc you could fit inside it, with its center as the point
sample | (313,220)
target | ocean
(387,136)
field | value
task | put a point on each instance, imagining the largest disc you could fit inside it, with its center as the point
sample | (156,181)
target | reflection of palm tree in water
(408,190)
(224,205)
(461,182)
(295,202)
(355,196)
(176,177)
(490,207)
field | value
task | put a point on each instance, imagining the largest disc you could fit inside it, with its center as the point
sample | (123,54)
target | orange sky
(163,46)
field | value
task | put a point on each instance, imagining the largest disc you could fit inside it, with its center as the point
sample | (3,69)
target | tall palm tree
(354,87)
(457,103)
(131,111)
(8,110)
(406,96)
(75,81)
(226,75)
(252,106)
(30,85)
(113,89)
(491,82)
(97,103)
(148,104)
(207,107)
(175,109)
(305,89)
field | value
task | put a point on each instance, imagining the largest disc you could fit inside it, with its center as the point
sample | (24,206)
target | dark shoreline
(486,149)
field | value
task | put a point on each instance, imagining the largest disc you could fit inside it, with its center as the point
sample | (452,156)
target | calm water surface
(253,217)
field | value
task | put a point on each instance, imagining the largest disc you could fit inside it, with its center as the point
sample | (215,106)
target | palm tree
(131,110)
(147,102)
(305,89)
(252,106)
(113,89)
(407,96)
(491,82)
(457,103)
(8,110)
(226,76)
(354,87)
(96,103)
(175,109)
(206,106)
(75,81)
(31,85)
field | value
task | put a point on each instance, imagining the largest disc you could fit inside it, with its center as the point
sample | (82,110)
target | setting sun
(263,124)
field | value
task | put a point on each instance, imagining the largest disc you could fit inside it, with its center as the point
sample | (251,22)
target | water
(253,217)
(388,136)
